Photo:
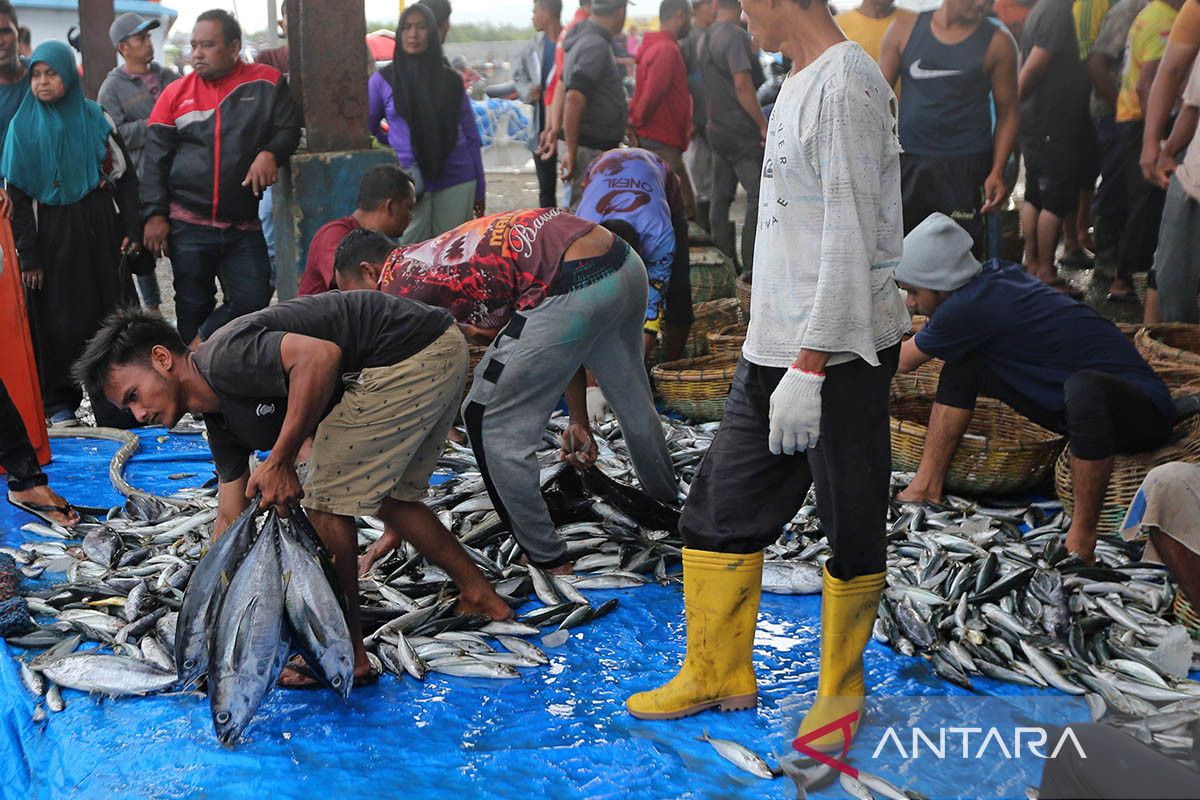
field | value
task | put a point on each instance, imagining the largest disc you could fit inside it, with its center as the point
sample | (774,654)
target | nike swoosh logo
(918,73)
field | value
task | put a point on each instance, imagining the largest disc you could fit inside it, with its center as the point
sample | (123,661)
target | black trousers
(743,494)
(1103,415)
(1116,767)
(952,185)
(678,308)
(1140,237)
(547,175)
(17,456)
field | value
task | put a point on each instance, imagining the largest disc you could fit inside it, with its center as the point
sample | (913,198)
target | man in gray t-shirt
(595,110)
(736,127)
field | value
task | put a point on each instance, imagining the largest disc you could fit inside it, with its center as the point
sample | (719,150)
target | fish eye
(223,717)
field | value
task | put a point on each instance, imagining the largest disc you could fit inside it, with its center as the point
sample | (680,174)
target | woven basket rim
(701,368)
(1045,439)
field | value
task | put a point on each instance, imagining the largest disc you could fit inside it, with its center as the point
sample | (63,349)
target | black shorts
(1051,176)
(678,301)
(952,185)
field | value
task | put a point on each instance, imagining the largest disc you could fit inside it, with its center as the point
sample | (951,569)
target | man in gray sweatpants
(553,294)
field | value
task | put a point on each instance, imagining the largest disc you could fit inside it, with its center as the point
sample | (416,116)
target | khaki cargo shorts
(384,436)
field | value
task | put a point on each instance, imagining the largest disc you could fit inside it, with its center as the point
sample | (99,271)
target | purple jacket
(466,160)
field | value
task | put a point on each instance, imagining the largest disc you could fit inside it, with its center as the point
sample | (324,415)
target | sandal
(43,511)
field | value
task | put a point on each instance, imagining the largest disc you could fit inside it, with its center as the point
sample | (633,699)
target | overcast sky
(253,13)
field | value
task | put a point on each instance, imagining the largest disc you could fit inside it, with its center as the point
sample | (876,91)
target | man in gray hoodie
(128,95)
(595,112)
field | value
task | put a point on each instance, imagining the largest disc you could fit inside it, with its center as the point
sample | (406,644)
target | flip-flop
(42,511)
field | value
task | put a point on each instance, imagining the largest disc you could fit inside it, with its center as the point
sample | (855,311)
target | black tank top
(945,108)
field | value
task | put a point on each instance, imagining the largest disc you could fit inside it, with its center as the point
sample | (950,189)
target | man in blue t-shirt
(634,193)
(1005,334)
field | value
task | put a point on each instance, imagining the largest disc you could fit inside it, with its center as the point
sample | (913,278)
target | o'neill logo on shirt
(265,409)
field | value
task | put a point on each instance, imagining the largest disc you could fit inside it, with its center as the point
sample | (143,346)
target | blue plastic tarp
(561,731)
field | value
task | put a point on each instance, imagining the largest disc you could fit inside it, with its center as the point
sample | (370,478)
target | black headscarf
(428,94)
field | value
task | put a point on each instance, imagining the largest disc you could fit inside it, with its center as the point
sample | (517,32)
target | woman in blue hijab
(66,166)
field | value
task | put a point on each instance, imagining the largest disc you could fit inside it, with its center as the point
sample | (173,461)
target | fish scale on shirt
(829,220)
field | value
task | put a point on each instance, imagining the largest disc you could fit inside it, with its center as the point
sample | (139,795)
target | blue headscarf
(53,151)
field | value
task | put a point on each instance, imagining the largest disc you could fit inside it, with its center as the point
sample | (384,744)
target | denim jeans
(735,161)
(201,255)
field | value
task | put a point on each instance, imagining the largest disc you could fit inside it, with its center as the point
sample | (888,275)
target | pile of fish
(116,619)
(977,590)
(993,592)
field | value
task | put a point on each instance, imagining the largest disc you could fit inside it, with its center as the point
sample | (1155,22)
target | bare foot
(457,436)
(562,569)
(377,551)
(45,496)
(913,495)
(295,674)
(489,605)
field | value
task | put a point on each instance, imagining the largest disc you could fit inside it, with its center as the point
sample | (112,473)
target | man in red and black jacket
(215,141)
(661,110)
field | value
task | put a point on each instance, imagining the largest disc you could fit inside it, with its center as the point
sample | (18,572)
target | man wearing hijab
(215,142)
(430,126)
(62,153)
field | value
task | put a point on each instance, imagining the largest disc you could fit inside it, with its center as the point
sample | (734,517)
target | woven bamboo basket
(476,354)
(1173,341)
(1129,470)
(712,274)
(1001,453)
(696,387)
(742,293)
(923,380)
(1185,615)
(710,316)
(1181,379)
(728,339)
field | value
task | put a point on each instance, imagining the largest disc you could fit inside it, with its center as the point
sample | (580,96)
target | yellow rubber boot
(848,611)
(720,600)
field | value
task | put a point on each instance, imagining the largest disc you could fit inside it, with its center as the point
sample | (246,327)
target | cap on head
(605,7)
(937,256)
(127,25)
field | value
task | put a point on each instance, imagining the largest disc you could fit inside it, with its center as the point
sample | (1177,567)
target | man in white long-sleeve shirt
(809,403)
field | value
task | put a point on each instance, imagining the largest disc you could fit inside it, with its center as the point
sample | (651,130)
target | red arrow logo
(843,724)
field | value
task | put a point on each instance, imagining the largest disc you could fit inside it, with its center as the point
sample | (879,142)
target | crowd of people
(879,165)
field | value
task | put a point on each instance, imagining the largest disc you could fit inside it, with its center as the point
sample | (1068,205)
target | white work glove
(597,404)
(796,412)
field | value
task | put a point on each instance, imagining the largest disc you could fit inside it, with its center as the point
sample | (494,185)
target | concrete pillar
(329,72)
